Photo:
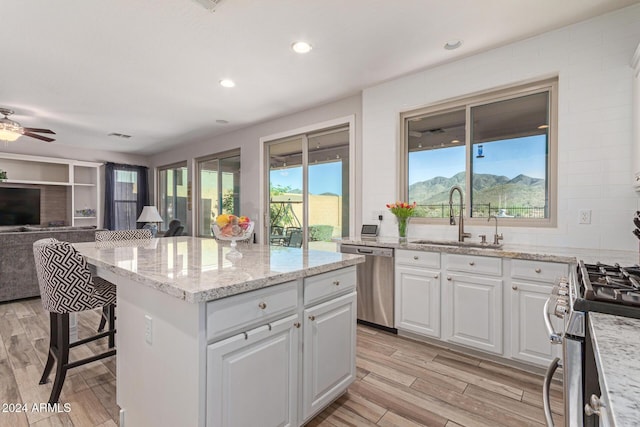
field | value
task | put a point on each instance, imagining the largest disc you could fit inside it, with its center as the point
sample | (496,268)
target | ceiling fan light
(9,130)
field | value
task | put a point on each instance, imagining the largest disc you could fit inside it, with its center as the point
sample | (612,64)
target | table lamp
(151,216)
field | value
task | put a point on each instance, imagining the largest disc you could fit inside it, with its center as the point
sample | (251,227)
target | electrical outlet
(584,216)
(148,329)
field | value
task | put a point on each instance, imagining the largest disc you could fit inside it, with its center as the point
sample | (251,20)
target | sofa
(18,277)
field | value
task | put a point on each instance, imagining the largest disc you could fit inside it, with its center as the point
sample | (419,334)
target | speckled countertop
(535,253)
(197,269)
(616,344)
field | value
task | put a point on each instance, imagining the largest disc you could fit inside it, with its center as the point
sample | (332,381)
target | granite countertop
(526,252)
(616,344)
(199,269)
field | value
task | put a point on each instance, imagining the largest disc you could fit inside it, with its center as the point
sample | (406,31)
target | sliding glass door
(308,187)
(172,191)
(218,188)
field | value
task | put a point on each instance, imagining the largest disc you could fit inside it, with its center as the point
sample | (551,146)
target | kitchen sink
(456,243)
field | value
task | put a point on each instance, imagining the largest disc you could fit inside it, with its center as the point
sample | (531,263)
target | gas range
(609,289)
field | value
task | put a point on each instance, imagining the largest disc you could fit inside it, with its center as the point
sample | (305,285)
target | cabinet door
(473,311)
(251,378)
(529,337)
(418,300)
(329,362)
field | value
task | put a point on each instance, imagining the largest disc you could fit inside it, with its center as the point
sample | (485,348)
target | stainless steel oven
(610,289)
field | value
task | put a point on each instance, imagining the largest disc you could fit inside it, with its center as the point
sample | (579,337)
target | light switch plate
(584,216)
(148,329)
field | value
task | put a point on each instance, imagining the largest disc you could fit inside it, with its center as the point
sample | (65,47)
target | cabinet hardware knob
(472,263)
(514,287)
(416,257)
(449,278)
(312,317)
(262,305)
(297,324)
(336,282)
(435,277)
(538,270)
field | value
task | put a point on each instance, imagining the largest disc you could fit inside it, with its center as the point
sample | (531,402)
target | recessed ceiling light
(227,83)
(455,141)
(301,47)
(452,44)
(222,122)
(543,127)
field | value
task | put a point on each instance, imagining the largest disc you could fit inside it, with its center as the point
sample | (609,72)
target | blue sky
(510,158)
(323,178)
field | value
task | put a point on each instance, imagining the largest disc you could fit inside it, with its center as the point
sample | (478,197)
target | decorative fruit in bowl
(231,227)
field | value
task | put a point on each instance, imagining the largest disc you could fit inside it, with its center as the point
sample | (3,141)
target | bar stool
(109,236)
(67,286)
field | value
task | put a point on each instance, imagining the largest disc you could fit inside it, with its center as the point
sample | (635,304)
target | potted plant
(3,175)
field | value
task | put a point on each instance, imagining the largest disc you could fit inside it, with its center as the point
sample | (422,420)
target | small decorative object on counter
(85,212)
(3,175)
(233,228)
(403,211)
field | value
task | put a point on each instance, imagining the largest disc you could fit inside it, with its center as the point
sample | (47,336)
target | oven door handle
(554,337)
(546,389)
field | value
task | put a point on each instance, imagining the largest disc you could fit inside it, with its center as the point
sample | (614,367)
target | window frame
(183,164)
(467,102)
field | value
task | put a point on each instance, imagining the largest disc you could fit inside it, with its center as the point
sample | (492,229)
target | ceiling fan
(10,130)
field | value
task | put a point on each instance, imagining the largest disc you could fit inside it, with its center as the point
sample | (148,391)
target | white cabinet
(328,353)
(531,284)
(251,377)
(417,292)
(473,315)
(635,64)
(279,355)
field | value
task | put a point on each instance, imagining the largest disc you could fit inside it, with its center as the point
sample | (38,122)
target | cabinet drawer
(418,258)
(239,312)
(475,264)
(538,271)
(325,285)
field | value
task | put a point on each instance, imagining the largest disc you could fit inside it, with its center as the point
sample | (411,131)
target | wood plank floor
(400,382)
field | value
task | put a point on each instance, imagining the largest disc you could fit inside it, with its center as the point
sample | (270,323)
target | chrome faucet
(452,220)
(496,237)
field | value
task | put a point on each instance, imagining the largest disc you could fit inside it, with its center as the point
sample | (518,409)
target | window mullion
(468,153)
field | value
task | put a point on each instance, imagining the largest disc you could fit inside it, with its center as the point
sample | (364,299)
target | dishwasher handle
(367,250)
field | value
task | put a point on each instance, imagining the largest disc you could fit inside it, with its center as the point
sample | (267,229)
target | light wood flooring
(400,382)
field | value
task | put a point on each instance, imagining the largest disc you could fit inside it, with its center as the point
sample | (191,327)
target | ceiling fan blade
(33,135)
(39,130)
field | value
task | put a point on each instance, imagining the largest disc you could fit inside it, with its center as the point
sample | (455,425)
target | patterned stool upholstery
(110,236)
(105,236)
(67,286)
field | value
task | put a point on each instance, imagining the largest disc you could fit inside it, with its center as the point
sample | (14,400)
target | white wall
(36,148)
(248,140)
(592,60)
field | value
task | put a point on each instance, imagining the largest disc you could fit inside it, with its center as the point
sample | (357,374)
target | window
(499,148)
(126,193)
(308,187)
(219,188)
(172,193)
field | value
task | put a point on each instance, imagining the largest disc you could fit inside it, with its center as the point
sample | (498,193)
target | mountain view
(499,191)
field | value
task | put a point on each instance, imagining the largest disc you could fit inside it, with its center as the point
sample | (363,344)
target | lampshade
(149,214)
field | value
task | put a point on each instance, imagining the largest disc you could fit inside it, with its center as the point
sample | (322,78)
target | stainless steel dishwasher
(375,285)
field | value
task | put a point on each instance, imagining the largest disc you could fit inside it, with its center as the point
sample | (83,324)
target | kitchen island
(206,338)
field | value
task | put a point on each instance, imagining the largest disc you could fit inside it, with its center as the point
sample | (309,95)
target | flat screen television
(19,206)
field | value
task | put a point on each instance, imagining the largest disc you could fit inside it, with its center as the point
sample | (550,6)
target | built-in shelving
(81,178)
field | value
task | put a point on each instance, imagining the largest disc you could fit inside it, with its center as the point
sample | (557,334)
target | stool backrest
(175,228)
(63,276)
(137,234)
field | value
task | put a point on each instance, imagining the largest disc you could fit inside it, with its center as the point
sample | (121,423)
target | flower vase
(402,229)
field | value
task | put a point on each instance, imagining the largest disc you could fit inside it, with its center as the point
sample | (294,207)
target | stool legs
(112,325)
(58,350)
(103,318)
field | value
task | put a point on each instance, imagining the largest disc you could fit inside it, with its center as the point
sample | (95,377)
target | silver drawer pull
(472,263)
(435,277)
(262,305)
(538,270)
(297,325)
(336,282)
(312,317)
(514,287)
(449,278)
(416,257)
